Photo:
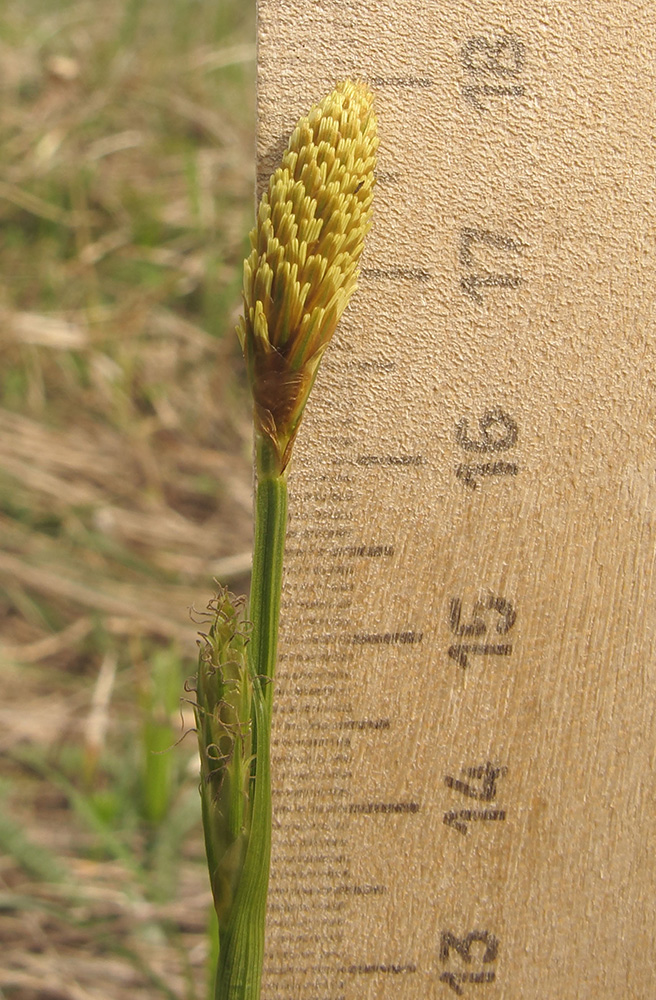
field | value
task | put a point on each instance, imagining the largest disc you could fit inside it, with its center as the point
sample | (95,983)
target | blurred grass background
(126,195)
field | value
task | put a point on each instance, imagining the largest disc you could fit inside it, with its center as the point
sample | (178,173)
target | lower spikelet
(306,245)
(224,724)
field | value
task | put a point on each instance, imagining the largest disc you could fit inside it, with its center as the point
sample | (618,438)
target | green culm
(303,268)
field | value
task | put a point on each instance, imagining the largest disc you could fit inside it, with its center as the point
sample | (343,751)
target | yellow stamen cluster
(303,267)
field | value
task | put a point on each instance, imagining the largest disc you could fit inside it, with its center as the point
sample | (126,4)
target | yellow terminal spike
(303,267)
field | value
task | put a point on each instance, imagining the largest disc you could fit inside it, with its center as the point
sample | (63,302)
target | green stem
(241,952)
(268,553)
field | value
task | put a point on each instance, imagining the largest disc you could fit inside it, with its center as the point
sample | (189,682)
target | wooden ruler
(465,728)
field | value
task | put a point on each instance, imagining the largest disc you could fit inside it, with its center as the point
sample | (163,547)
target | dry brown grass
(126,185)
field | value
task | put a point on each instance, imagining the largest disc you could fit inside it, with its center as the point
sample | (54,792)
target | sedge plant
(303,267)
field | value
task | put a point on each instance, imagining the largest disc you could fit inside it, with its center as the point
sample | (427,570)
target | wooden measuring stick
(465,721)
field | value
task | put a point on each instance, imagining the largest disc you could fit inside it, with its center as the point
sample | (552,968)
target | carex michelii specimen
(303,267)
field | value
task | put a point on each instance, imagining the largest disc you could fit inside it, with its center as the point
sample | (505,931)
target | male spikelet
(306,246)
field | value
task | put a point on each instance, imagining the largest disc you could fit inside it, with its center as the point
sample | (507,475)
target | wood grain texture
(465,718)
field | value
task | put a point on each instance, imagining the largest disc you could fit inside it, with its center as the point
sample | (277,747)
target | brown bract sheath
(303,267)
